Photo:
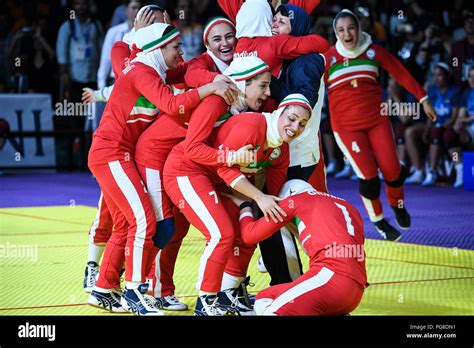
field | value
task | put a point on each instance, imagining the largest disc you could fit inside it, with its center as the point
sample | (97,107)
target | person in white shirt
(114,34)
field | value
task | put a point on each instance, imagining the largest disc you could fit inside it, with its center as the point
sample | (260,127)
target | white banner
(24,113)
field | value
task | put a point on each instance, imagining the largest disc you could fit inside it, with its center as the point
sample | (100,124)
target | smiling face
(281,24)
(221,41)
(257,90)
(292,122)
(347,32)
(172,53)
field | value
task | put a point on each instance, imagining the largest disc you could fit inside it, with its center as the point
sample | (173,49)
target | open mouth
(225,50)
(349,41)
(290,133)
(275,32)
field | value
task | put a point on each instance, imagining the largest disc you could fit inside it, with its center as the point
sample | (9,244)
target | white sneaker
(136,301)
(90,276)
(415,178)
(108,300)
(261,266)
(430,178)
(459,179)
(171,303)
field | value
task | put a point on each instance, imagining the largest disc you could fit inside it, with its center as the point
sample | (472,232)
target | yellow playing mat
(43,253)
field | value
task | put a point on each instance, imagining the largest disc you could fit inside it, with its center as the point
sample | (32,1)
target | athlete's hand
(228,91)
(429,110)
(147,18)
(88,96)
(270,208)
(243,156)
(222,77)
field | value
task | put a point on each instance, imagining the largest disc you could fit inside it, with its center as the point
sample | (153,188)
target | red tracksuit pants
(319,291)
(216,217)
(367,151)
(134,222)
(102,226)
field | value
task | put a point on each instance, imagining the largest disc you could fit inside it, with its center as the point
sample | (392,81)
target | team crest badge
(370,53)
(275,153)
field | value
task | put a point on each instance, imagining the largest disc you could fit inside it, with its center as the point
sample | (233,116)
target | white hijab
(274,139)
(239,71)
(150,39)
(363,42)
(254,19)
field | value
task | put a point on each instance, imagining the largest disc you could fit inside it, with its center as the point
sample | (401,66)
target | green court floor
(43,253)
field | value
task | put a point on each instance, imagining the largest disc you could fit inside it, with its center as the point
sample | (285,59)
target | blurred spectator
(371,26)
(431,51)
(114,34)
(462,55)
(6,39)
(445,98)
(407,115)
(191,30)
(78,51)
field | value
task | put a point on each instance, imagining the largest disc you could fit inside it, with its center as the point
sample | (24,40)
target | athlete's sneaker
(208,305)
(402,218)
(107,300)
(387,231)
(134,300)
(171,303)
(430,178)
(261,266)
(344,173)
(415,178)
(90,275)
(249,300)
(237,298)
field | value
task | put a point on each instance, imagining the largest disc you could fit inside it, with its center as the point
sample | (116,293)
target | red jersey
(354,92)
(168,130)
(274,49)
(201,70)
(120,127)
(330,230)
(231,7)
(237,131)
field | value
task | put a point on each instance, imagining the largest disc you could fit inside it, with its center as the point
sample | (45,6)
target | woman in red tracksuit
(362,131)
(194,183)
(111,158)
(121,55)
(219,40)
(331,232)
(254,34)
(153,148)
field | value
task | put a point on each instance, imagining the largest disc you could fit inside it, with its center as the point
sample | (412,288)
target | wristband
(246,204)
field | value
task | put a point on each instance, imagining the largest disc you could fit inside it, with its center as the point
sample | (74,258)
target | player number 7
(213,193)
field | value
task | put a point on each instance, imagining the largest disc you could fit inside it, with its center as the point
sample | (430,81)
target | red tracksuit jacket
(354,92)
(331,231)
(118,131)
(237,131)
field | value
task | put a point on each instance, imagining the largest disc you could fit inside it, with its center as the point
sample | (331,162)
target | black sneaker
(402,217)
(387,231)
(248,300)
